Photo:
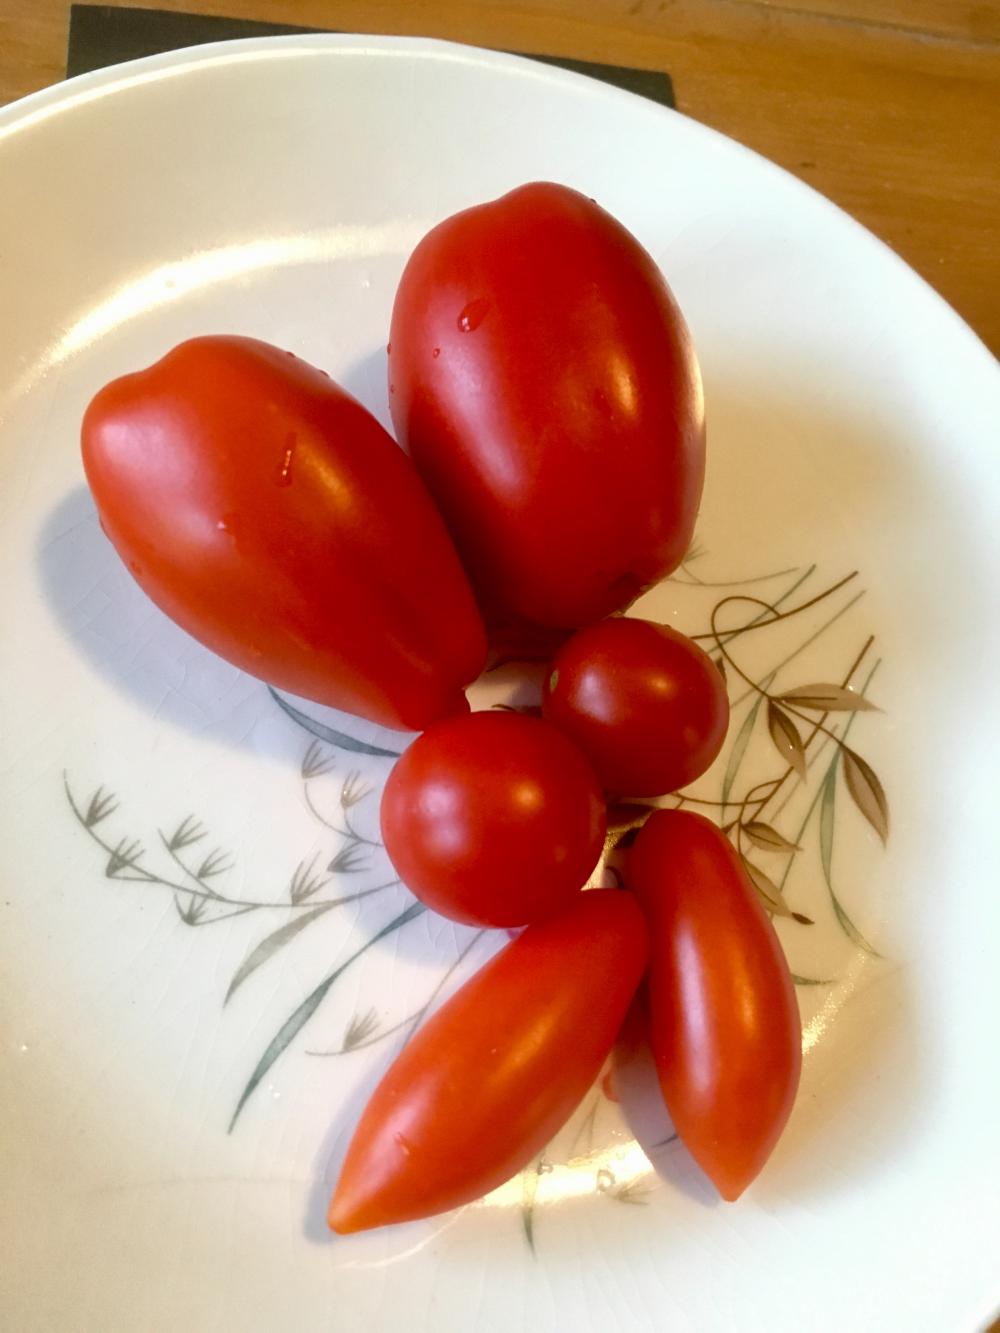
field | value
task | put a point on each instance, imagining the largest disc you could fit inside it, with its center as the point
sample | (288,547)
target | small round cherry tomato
(493,819)
(493,1075)
(724,1021)
(646,706)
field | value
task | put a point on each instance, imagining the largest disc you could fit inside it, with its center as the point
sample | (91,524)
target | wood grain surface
(889,107)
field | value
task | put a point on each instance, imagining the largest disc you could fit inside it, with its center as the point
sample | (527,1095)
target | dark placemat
(101,35)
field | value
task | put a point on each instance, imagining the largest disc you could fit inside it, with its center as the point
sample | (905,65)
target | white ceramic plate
(274,188)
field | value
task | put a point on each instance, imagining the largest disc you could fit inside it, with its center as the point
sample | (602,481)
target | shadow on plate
(139,651)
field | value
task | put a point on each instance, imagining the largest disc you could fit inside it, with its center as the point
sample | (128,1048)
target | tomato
(482,1088)
(543,380)
(493,819)
(724,1021)
(648,708)
(263,509)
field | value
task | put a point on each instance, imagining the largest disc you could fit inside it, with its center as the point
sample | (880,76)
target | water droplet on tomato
(436,353)
(404,1144)
(473,315)
(284,477)
(135,567)
(392,388)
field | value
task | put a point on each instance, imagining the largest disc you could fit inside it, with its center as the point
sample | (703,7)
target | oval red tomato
(263,509)
(493,819)
(646,706)
(485,1084)
(724,1021)
(543,380)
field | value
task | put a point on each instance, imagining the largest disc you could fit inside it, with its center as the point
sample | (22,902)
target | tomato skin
(269,514)
(646,706)
(542,379)
(493,819)
(724,1020)
(485,1084)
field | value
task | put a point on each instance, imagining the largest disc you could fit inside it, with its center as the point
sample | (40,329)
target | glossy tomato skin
(646,706)
(724,1021)
(265,511)
(543,380)
(494,819)
(481,1089)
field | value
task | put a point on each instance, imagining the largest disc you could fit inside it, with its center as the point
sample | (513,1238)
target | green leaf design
(296,1021)
(328,734)
(826,822)
(529,1188)
(740,744)
(828,796)
(270,945)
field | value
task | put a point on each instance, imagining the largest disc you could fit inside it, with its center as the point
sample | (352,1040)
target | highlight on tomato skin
(644,703)
(269,514)
(724,1020)
(494,819)
(545,385)
(480,1090)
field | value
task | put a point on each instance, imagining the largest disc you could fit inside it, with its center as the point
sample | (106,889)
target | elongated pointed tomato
(543,380)
(724,1021)
(263,509)
(479,1091)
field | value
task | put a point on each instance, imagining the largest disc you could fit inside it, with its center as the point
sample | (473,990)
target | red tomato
(494,819)
(724,1022)
(646,706)
(263,509)
(483,1087)
(543,380)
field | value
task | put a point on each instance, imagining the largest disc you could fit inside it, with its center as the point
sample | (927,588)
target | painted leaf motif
(767,890)
(740,747)
(529,1188)
(328,734)
(768,838)
(866,792)
(786,738)
(270,945)
(828,699)
(826,821)
(297,1020)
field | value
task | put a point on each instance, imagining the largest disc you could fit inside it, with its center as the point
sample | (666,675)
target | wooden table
(889,107)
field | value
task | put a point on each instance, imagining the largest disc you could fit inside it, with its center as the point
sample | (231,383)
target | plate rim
(69,93)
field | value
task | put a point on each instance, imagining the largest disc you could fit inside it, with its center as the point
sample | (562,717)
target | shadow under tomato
(856,1115)
(114,626)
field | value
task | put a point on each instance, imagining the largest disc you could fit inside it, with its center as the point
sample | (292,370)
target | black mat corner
(101,35)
